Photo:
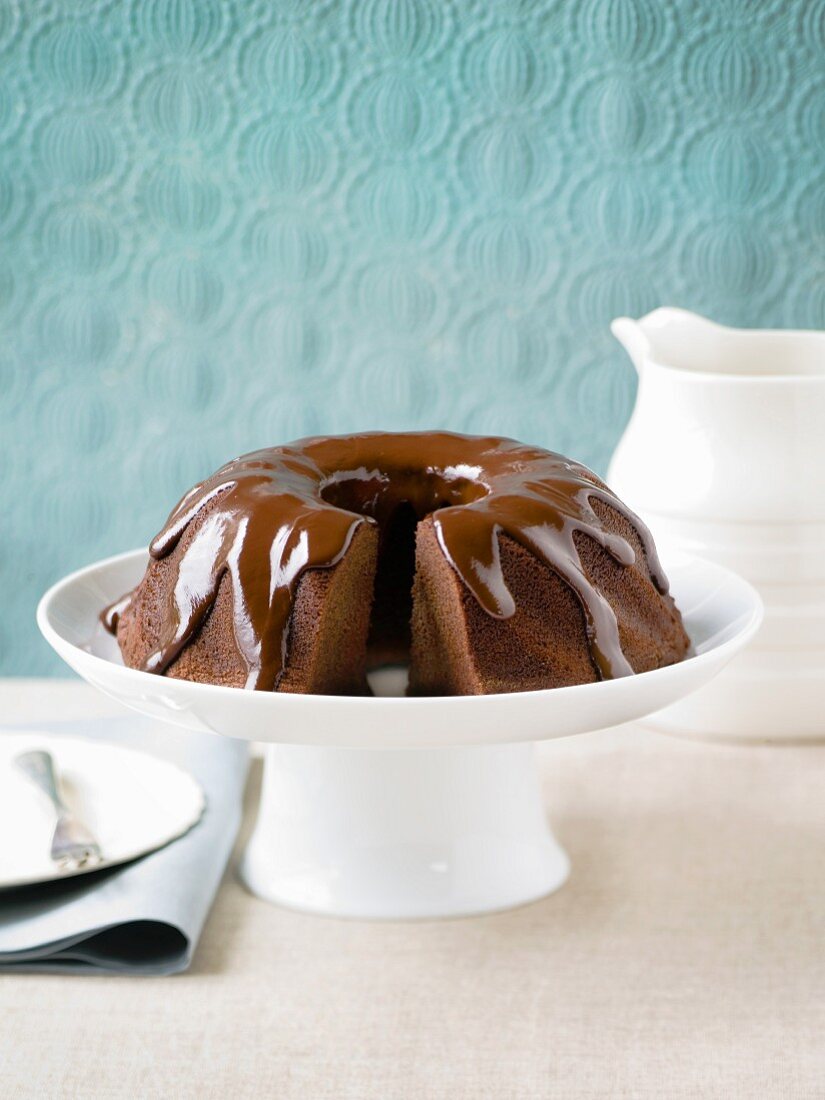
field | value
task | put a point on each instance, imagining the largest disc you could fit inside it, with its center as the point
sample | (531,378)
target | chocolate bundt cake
(489,565)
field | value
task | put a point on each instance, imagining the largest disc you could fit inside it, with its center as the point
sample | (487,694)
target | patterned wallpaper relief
(225,223)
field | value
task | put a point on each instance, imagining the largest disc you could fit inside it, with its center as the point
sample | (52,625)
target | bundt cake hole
(390,631)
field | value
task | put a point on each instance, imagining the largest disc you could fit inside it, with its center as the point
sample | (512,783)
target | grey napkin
(144,917)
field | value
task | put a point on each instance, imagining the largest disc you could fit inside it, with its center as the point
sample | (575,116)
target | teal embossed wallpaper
(227,223)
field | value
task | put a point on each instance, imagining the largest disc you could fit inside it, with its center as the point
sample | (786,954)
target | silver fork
(73,846)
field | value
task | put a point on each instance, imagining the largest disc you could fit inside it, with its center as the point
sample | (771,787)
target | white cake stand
(396,807)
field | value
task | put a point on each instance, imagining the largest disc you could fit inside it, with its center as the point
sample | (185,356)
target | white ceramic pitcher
(724,457)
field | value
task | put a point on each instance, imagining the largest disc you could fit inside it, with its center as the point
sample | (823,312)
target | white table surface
(685,958)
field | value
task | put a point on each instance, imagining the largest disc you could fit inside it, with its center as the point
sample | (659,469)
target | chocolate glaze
(275,513)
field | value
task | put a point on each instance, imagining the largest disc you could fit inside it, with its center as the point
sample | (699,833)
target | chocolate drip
(271,515)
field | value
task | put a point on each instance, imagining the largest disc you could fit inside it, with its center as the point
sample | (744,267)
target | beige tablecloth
(685,958)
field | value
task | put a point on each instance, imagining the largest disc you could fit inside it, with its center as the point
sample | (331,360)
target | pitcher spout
(633,338)
(669,336)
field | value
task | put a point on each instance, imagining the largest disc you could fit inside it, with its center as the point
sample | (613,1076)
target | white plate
(132,802)
(721,613)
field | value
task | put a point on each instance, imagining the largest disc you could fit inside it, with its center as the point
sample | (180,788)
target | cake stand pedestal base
(402,833)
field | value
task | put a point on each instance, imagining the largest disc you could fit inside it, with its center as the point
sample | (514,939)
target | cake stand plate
(394,807)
